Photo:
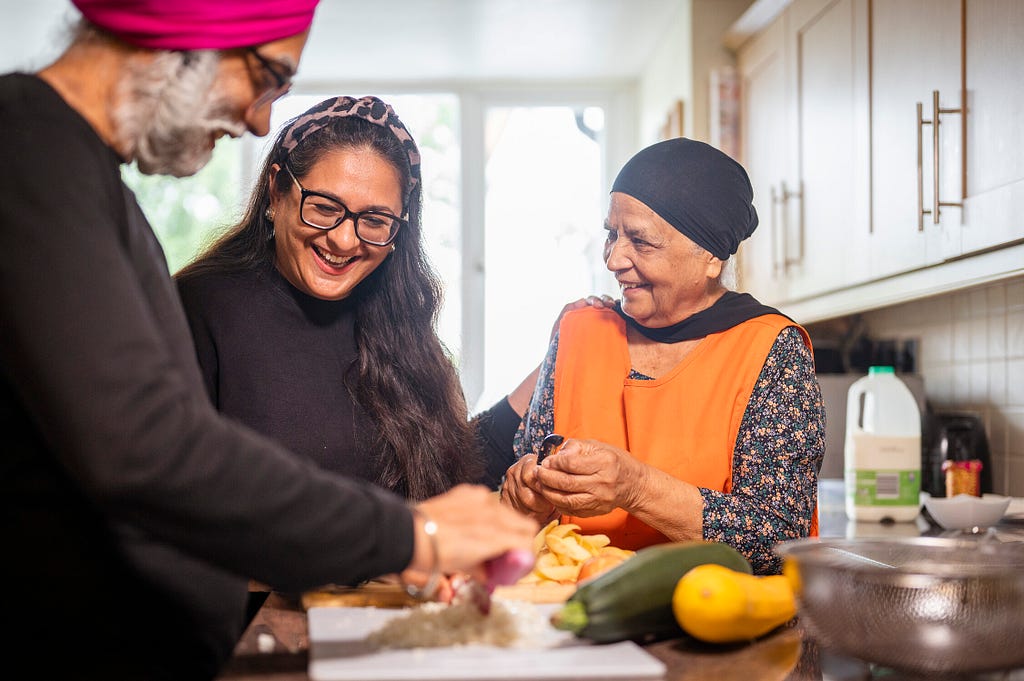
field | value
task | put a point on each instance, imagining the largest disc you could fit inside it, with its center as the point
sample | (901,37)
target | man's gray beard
(168,110)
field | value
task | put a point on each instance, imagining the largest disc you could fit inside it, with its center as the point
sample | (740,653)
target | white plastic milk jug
(883,449)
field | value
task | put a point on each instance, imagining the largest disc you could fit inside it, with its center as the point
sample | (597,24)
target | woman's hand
(598,301)
(522,492)
(472,526)
(588,478)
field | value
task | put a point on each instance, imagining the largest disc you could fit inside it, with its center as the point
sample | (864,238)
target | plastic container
(883,449)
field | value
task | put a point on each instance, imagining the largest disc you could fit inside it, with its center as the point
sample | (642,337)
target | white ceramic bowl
(965,511)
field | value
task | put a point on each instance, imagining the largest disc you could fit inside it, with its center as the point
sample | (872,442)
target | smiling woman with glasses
(314,317)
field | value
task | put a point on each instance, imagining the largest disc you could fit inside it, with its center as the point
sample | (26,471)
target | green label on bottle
(887,488)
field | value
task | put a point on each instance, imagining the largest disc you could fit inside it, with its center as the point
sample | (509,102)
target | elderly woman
(691,411)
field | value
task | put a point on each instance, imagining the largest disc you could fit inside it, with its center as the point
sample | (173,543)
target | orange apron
(684,423)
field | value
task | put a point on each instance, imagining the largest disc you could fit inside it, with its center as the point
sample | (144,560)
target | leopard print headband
(369,109)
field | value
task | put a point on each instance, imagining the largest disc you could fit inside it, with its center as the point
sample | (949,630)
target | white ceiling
(391,41)
(485,39)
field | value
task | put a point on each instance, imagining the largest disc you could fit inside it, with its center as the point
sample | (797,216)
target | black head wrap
(707,197)
(697,189)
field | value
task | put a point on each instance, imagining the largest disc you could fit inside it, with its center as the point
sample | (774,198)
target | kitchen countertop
(832,520)
(275,646)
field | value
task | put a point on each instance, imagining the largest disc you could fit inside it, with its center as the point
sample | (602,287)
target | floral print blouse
(777,455)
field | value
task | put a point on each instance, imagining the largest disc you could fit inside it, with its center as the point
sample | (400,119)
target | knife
(548,445)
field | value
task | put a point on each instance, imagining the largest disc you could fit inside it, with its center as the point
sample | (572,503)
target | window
(544,210)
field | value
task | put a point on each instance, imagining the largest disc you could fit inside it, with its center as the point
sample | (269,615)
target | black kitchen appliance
(956,437)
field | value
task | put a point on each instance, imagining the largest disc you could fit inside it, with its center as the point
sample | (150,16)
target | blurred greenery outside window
(188,213)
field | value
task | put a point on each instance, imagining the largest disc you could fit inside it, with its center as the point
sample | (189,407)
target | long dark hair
(405,379)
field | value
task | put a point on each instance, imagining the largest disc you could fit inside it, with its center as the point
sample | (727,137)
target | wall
(37,37)
(711,19)
(971,355)
(681,67)
(667,78)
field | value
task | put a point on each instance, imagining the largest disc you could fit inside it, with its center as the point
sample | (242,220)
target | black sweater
(276,359)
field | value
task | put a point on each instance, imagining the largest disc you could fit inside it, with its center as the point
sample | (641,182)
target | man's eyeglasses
(323,212)
(282,82)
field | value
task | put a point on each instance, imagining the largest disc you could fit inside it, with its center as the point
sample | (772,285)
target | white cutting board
(339,652)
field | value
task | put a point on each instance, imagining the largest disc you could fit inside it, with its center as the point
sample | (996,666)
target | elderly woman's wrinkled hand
(522,491)
(588,478)
(598,301)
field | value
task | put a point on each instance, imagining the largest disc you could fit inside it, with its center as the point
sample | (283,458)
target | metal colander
(929,605)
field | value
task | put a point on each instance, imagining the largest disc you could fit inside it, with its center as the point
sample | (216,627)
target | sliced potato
(563,530)
(538,541)
(547,559)
(561,573)
(567,547)
(561,551)
(594,542)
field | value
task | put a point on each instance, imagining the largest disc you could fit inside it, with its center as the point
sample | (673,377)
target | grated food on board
(431,625)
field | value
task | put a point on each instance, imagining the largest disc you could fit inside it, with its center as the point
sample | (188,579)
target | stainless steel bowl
(927,605)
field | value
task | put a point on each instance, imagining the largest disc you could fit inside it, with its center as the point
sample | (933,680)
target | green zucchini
(633,600)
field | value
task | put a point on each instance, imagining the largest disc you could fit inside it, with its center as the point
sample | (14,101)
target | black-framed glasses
(282,81)
(325,213)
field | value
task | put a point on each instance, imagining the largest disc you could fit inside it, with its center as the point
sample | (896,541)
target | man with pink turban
(133,515)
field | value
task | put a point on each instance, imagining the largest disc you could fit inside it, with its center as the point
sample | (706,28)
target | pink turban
(199,24)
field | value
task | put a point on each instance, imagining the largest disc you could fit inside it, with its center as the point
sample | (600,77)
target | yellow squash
(719,605)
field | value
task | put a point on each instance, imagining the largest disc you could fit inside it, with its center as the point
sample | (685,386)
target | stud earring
(269,213)
(392,247)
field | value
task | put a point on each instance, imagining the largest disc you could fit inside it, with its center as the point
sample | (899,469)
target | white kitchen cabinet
(994,75)
(805,133)
(826,217)
(766,148)
(915,51)
(972,53)
(885,190)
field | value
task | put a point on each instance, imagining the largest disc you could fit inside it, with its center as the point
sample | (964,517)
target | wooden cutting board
(388,595)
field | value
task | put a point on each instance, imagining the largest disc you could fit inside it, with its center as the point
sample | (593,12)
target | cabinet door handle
(921,211)
(772,234)
(779,229)
(786,196)
(937,203)
(937,113)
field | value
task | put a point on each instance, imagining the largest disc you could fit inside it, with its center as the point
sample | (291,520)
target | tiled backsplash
(971,355)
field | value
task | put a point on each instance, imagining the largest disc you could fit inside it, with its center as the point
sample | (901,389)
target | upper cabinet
(903,127)
(827,220)
(805,145)
(947,129)
(993,35)
(915,160)
(764,111)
